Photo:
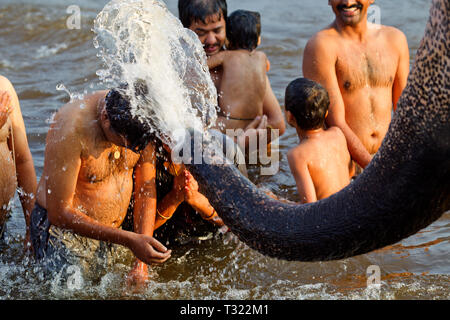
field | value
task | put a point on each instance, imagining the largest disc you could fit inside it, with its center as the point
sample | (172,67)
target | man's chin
(350,19)
(212,51)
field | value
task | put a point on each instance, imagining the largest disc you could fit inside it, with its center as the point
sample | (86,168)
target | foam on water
(140,41)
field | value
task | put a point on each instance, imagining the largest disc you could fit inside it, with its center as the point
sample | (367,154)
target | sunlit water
(39,53)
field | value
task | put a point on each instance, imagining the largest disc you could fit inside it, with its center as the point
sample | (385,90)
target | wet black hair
(118,108)
(243,29)
(308,101)
(190,11)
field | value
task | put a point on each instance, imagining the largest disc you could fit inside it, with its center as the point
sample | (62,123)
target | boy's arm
(144,207)
(199,202)
(216,60)
(319,65)
(169,204)
(305,185)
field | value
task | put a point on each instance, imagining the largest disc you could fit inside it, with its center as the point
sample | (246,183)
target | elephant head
(404,189)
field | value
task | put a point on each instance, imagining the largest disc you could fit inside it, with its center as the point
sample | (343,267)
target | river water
(42,56)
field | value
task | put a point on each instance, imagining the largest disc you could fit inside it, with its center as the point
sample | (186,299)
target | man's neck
(358,31)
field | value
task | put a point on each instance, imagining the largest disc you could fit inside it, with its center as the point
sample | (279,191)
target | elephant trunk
(404,189)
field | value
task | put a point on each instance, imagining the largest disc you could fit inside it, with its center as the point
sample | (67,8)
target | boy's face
(212,34)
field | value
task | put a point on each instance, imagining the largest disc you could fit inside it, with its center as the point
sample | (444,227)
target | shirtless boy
(364,67)
(16,162)
(244,79)
(321,163)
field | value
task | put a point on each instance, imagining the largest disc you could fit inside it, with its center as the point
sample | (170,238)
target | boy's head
(244,30)
(307,102)
(136,132)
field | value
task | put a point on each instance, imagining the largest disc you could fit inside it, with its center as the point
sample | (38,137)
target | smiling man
(364,68)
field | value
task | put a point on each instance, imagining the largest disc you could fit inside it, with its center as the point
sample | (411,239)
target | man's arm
(272,109)
(64,150)
(401,76)
(319,65)
(5,107)
(26,174)
(305,185)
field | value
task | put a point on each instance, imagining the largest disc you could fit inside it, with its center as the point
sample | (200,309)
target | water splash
(140,41)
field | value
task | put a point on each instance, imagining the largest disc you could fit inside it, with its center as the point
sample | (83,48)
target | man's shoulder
(329,33)
(4,81)
(323,41)
(392,33)
(71,118)
(6,85)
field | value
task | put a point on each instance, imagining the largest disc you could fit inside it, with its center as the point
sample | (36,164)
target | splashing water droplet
(141,41)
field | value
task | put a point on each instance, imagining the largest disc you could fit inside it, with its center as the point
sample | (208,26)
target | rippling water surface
(41,57)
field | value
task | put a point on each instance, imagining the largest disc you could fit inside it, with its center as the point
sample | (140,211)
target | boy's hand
(5,107)
(190,188)
(256,128)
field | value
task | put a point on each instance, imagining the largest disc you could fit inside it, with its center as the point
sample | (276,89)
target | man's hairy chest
(107,163)
(373,67)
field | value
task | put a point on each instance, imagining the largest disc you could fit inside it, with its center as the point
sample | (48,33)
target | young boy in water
(321,163)
(243,85)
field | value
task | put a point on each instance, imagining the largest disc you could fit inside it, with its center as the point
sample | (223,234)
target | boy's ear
(259,40)
(290,118)
(326,114)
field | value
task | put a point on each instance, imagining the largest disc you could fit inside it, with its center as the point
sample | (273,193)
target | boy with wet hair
(244,81)
(321,163)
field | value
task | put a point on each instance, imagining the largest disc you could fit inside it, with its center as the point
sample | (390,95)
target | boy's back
(321,163)
(243,86)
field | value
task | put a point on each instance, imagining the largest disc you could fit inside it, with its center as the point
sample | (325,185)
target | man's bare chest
(107,163)
(373,67)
